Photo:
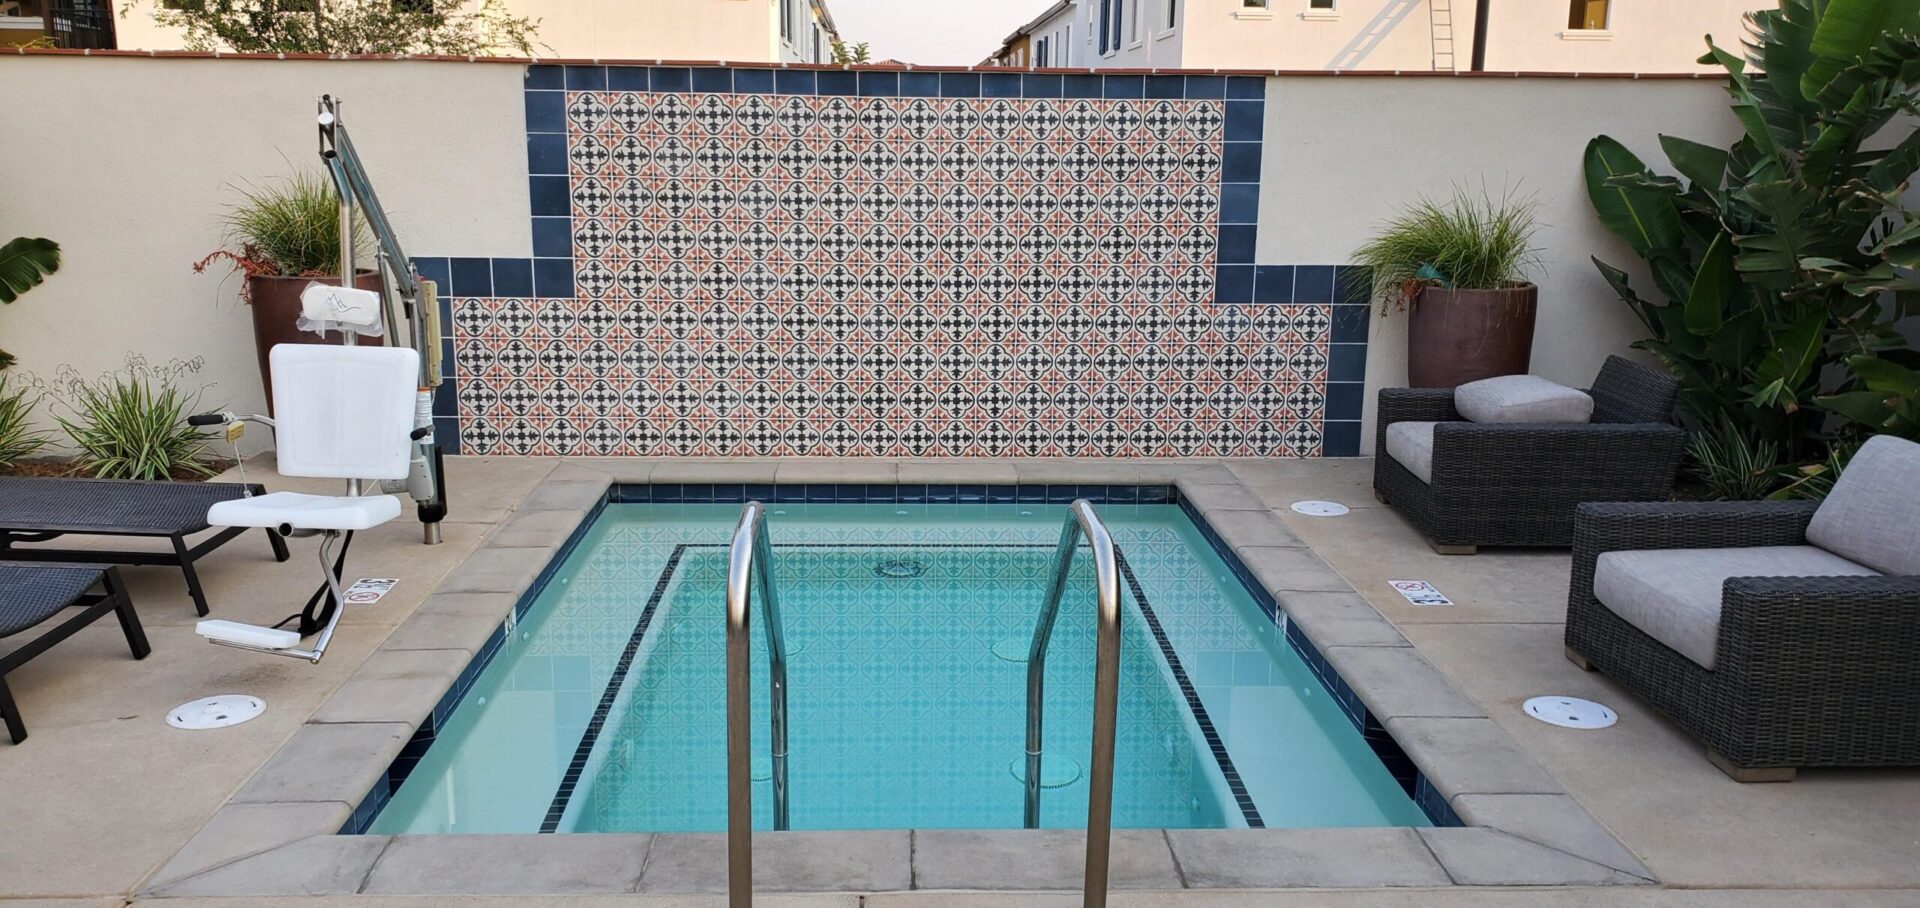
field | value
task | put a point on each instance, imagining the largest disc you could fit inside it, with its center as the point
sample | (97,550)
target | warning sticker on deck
(369,590)
(1420,592)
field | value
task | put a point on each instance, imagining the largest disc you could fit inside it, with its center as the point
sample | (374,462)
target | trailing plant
(1785,260)
(18,439)
(24,263)
(351,26)
(132,423)
(1467,242)
(289,229)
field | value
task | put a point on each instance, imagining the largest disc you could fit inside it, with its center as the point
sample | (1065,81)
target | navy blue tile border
(1389,752)
(1239,277)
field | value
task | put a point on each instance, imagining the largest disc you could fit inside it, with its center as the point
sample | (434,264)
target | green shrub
(1731,465)
(1469,242)
(1785,261)
(132,423)
(18,440)
(291,228)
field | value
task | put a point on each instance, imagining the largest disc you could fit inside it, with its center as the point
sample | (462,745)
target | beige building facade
(738,31)
(1643,36)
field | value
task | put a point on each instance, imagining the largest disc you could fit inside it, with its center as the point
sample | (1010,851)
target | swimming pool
(603,709)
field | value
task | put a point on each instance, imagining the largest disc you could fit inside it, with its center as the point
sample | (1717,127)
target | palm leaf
(1646,218)
(1849,31)
(24,263)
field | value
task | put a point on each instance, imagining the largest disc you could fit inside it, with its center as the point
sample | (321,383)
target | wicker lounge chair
(37,510)
(33,593)
(1516,484)
(1687,606)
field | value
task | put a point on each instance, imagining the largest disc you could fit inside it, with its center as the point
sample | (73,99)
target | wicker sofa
(1516,484)
(1687,606)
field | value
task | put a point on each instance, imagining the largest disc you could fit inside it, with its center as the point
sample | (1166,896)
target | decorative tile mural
(760,262)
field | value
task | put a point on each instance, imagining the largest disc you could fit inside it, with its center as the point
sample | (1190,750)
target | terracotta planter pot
(275,302)
(1458,336)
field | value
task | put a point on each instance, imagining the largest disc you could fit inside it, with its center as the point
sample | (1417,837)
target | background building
(742,31)
(1522,35)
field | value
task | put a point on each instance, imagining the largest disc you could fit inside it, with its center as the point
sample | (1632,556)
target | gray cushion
(1411,443)
(1521,398)
(1873,513)
(1674,595)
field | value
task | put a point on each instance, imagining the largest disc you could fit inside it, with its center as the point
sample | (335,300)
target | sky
(944,32)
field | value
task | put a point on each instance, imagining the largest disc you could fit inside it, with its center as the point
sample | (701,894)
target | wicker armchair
(1809,671)
(1516,484)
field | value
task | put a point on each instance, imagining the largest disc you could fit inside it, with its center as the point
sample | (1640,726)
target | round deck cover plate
(1320,508)
(216,712)
(1571,712)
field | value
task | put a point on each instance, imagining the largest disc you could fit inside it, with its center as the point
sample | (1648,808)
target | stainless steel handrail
(751,564)
(1082,521)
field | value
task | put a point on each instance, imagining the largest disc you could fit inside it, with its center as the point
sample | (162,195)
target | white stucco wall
(1345,153)
(131,174)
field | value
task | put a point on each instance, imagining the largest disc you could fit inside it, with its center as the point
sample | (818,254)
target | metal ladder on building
(1440,17)
(1081,522)
(750,565)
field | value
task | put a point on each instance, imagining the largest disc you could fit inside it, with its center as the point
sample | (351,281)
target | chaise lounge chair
(37,510)
(1780,634)
(33,593)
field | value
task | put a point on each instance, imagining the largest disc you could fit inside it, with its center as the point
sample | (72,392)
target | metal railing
(750,565)
(1081,521)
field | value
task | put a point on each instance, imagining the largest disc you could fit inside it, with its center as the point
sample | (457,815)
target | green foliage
(351,26)
(18,439)
(291,228)
(1733,466)
(1784,261)
(25,262)
(1469,242)
(850,53)
(132,423)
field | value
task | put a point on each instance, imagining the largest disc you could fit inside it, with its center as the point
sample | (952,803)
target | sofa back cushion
(1873,513)
(1521,398)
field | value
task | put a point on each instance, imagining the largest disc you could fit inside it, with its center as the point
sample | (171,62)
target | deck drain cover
(1570,712)
(900,569)
(216,712)
(1055,772)
(1320,508)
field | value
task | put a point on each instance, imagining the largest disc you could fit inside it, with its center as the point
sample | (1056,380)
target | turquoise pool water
(905,708)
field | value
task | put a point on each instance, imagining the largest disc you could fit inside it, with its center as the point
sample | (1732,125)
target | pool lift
(348,412)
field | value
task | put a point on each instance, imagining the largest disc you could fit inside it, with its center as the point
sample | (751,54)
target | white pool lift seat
(340,413)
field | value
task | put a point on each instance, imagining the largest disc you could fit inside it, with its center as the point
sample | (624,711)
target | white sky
(944,32)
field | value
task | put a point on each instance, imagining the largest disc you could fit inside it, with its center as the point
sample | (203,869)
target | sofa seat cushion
(1521,398)
(1873,513)
(1674,595)
(1411,444)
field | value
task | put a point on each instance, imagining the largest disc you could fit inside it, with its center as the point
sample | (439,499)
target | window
(1133,23)
(1106,20)
(1119,13)
(1588,15)
(1319,4)
(816,47)
(1173,13)
(412,6)
(786,19)
(1040,53)
(1254,4)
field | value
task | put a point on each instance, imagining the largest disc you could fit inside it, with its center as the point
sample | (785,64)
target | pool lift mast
(403,290)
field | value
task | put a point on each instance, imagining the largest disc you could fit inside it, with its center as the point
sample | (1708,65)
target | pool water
(906,627)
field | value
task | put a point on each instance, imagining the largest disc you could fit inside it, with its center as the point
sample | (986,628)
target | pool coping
(279,834)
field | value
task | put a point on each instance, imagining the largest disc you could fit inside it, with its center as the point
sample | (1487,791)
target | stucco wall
(130,175)
(1343,154)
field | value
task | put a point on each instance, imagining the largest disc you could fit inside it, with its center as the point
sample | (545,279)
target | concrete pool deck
(125,799)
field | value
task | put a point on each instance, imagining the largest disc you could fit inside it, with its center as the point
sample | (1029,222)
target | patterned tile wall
(738,261)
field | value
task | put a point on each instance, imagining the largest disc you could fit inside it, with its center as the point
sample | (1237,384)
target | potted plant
(284,237)
(1459,270)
